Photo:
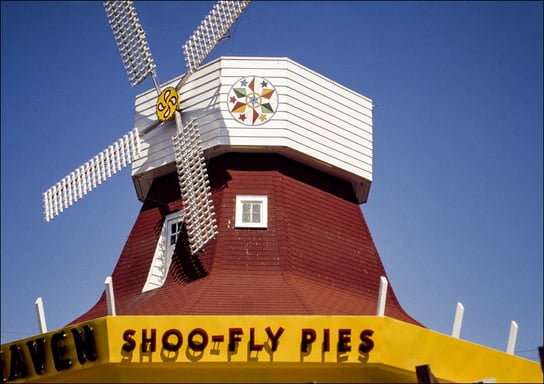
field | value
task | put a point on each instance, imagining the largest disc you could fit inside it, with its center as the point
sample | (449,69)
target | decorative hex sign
(252,100)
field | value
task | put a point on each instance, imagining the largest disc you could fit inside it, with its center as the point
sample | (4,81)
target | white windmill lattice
(195,191)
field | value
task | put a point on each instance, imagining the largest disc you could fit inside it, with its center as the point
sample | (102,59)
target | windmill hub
(167,104)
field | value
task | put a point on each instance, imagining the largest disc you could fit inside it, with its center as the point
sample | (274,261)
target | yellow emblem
(167,103)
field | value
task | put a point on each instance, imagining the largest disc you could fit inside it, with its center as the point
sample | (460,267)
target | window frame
(245,199)
(176,219)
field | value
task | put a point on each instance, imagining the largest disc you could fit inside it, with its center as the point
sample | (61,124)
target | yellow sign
(167,103)
(242,339)
(254,349)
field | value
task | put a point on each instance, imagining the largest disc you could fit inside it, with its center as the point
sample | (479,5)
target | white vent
(130,38)
(78,183)
(194,184)
(210,31)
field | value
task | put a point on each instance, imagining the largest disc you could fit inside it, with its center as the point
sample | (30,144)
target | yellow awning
(254,349)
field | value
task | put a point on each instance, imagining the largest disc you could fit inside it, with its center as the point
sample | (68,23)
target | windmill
(199,218)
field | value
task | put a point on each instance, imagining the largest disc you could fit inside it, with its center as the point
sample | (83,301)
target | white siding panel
(288,71)
(297,130)
(315,116)
(331,110)
(339,122)
(336,131)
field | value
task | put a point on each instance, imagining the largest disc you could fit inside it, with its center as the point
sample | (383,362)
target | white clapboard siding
(316,118)
(311,81)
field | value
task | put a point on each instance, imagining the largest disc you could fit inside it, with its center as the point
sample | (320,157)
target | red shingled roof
(316,256)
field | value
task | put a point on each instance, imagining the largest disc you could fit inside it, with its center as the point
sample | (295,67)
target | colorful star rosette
(252,100)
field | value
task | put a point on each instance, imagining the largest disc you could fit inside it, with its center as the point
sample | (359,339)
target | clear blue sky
(456,204)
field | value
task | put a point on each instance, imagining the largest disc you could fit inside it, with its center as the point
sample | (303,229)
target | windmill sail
(84,179)
(189,155)
(130,38)
(193,180)
(210,31)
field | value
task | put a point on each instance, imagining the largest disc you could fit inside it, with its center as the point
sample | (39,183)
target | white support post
(382,296)
(512,338)
(110,299)
(41,315)
(456,331)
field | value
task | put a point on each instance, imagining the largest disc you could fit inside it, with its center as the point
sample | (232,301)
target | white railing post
(41,315)
(382,296)
(512,338)
(456,331)
(110,299)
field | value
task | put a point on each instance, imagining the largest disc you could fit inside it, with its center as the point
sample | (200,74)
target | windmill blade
(130,38)
(203,40)
(194,184)
(210,31)
(87,177)
(193,179)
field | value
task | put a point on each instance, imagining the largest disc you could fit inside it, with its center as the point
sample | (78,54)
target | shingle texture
(316,257)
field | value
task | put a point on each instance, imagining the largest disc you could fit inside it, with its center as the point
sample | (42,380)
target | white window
(174,228)
(158,271)
(251,212)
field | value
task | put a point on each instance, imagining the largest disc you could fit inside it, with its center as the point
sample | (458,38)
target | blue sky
(455,208)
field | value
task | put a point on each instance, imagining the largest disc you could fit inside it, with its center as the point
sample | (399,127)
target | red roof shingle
(315,257)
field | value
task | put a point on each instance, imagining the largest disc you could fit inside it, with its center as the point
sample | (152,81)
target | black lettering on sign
(85,344)
(198,347)
(252,345)
(36,348)
(344,338)
(234,337)
(151,340)
(274,338)
(58,348)
(307,338)
(218,338)
(17,367)
(326,340)
(130,343)
(366,342)
(169,346)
